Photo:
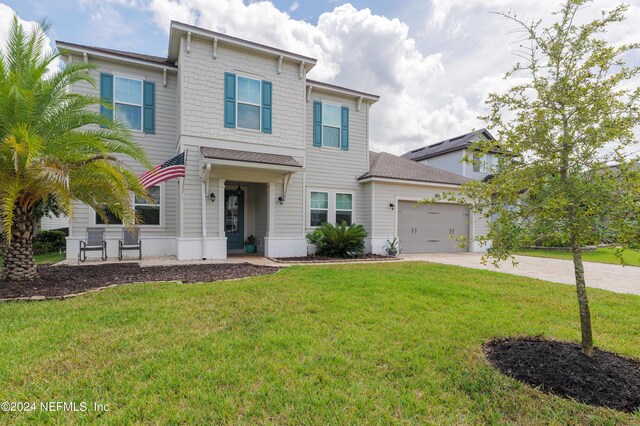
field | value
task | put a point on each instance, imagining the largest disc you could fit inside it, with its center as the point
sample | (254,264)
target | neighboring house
(449,154)
(269,152)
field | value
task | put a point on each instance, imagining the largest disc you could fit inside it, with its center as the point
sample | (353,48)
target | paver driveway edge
(616,278)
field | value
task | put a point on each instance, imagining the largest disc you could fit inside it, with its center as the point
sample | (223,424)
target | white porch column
(204,197)
(271,205)
(221,200)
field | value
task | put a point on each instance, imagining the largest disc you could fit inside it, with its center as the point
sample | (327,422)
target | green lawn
(601,255)
(375,343)
(45,258)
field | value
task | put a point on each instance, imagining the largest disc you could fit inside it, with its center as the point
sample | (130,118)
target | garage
(429,228)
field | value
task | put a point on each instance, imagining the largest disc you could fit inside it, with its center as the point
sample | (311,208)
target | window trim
(331,211)
(322,145)
(238,102)
(328,209)
(480,161)
(161,206)
(141,105)
(336,210)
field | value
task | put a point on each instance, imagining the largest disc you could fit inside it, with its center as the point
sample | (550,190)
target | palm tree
(52,144)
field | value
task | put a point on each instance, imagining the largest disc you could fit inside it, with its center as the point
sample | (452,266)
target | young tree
(46,150)
(559,133)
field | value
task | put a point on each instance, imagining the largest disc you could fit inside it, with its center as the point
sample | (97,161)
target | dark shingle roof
(248,157)
(132,55)
(445,146)
(385,165)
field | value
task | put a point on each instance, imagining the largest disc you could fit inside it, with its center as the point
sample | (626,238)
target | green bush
(338,240)
(49,241)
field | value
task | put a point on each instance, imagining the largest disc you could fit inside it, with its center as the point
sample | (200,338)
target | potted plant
(392,246)
(250,244)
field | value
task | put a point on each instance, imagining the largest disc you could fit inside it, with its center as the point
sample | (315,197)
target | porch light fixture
(239,191)
(281,199)
(392,206)
(213,197)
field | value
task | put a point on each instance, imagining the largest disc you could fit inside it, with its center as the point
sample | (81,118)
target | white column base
(285,246)
(191,248)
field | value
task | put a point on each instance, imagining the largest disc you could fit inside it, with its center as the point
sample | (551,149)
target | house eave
(408,182)
(180,28)
(113,56)
(342,90)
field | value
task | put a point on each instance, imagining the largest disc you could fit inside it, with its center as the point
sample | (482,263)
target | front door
(234,218)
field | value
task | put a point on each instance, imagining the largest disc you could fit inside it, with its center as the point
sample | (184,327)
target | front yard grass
(601,255)
(381,343)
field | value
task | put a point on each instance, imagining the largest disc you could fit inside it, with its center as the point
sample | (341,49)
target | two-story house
(268,152)
(449,155)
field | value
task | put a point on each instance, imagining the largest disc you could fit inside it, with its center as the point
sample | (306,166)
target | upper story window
(330,125)
(249,105)
(128,102)
(479,162)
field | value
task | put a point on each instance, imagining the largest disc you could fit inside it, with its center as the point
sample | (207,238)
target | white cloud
(294,6)
(432,78)
(6,20)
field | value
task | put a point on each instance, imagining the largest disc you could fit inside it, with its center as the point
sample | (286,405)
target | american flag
(170,169)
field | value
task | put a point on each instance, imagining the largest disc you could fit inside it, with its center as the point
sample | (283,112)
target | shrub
(49,241)
(338,240)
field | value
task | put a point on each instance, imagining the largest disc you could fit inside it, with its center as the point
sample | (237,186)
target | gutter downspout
(205,181)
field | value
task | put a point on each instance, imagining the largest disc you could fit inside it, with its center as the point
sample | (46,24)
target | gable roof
(341,89)
(180,28)
(101,51)
(389,166)
(447,145)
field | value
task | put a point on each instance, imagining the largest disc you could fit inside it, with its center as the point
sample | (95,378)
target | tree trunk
(19,263)
(583,302)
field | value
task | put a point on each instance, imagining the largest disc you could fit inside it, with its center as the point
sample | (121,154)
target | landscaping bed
(60,281)
(560,368)
(324,259)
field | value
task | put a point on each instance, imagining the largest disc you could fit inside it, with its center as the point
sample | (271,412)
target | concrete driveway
(616,278)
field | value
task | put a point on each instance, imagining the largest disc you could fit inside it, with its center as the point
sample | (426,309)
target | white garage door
(427,228)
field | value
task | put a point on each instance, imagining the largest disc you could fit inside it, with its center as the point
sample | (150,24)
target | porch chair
(94,241)
(130,241)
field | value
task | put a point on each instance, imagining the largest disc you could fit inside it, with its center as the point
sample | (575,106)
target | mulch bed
(560,368)
(324,259)
(58,281)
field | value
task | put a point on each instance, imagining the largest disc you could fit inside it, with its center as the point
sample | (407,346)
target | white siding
(202,93)
(159,146)
(333,169)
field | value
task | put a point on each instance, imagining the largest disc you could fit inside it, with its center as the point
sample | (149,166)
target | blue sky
(433,62)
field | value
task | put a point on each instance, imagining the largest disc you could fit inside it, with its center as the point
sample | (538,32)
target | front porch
(243,194)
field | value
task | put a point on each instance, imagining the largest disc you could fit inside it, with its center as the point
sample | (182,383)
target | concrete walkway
(616,278)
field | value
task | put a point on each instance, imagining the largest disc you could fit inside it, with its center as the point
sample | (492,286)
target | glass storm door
(234,218)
